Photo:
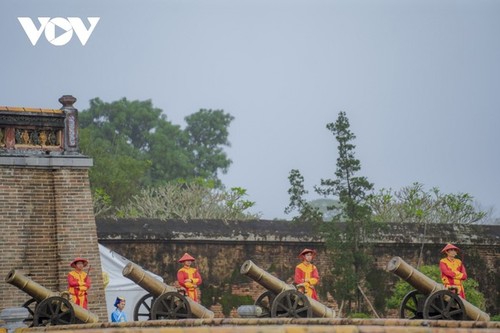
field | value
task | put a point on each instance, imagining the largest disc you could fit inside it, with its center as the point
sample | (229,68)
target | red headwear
(77,259)
(186,257)
(449,247)
(303,253)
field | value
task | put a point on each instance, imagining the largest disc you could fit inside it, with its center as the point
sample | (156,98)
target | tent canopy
(113,264)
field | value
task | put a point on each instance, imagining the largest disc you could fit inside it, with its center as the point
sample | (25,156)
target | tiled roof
(23,109)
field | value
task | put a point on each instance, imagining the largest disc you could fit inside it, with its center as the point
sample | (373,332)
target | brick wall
(47,220)
(220,248)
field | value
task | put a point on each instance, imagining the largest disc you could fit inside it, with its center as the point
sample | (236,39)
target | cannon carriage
(163,301)
(48,308)
(431,300)
(282,299)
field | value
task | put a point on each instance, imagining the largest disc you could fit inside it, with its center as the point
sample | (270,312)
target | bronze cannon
(163,301)
(47,307)
(282,299)
(431,300)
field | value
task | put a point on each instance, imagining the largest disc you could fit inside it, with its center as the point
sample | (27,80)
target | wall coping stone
(66,161)
(285,231)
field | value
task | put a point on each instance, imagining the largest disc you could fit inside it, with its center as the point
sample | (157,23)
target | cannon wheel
(54,311)
(411,306)
(171,305)
(30,305)
(444,304)
(291,304)
(142,309)
(264,301)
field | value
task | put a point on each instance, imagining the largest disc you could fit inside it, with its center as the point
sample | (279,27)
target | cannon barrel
(145,280)
(40,293)
(157,288)
(275,285)
(427,286)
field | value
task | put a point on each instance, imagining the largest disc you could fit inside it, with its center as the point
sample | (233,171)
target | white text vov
(68,25)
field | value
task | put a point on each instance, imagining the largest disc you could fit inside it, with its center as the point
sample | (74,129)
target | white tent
(113,264)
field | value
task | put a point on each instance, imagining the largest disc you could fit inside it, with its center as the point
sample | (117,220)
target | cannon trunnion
(282,299)
(431,300)
(163,301)
(47,307)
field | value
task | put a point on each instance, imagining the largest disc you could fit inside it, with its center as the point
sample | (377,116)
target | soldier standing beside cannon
(79,282)
(189,277)
(306,274)
(452,270)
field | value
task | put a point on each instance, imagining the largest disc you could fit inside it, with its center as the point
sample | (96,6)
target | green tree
(307,212)
(415,204)
(346,241)
(134,145)
(197,199)
(117,168)
(207,132)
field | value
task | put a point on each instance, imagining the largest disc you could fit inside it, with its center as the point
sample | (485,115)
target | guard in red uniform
(452,270)
(79,282)
(189,277)
(306,274)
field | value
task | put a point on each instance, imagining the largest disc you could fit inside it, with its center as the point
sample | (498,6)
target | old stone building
(46,207)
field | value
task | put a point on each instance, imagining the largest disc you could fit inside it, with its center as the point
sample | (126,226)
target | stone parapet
(280,325)
(285,231)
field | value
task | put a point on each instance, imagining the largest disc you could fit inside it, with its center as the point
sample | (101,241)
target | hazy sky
(419,81)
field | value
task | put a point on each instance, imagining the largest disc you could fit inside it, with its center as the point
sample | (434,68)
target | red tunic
(307,275)
(78,284)
(453,273)
(192,274)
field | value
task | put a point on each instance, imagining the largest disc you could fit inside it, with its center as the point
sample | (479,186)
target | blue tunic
(118,316)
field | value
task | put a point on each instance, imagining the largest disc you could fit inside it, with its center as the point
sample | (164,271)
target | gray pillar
(71,140)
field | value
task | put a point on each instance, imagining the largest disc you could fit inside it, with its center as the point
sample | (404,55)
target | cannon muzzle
(145,280)
(30,287)
(40,293)
(275,285)
(158,288)
(427,286)
(265,279)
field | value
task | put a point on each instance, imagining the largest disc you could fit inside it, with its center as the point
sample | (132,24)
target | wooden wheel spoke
(291,303)
(58,308)
(179,306)
(181,315)
(409,308)
(437,308)
(444,304)
(54,310)
(455,312)
(170,305)
(438,316)
(301,310)
(142,309)
(162,314)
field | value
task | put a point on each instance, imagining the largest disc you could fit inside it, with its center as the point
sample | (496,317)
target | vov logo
(66,26)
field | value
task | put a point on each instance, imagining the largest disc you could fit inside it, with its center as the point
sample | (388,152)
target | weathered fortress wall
(46,212)
(221,248)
